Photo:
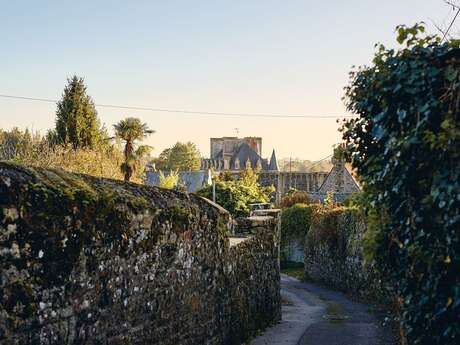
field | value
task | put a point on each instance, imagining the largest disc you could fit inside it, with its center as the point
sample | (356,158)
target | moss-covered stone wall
(94,261)
(252,305)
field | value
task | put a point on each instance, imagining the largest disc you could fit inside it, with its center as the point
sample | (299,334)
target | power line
(450,26)
(319,161)
(186,111)
(312,164)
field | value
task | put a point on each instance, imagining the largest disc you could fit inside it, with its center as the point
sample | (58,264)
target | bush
(235,194)
(295,197)
(170,181)
(295,223)
(332,226)
(324,229)
(404,145)
(32,149)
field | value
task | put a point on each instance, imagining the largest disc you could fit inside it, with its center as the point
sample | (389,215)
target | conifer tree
(77,123)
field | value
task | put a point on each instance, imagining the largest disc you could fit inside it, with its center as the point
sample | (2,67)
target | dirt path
(315,315)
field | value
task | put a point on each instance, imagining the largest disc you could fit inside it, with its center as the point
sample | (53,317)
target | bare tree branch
(454,4)
(438,27)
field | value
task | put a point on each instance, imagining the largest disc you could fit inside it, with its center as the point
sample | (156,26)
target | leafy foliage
(131,130)
(334,254)
(326,227)
(32,149)
(180,157)
(169,181)
(16,143)
(77,123)
(405,146)
(295,222)
(235,194)
(329,200)
(295,197)
(357,199)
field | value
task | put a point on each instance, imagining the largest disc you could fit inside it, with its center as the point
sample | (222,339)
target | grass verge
(293,269)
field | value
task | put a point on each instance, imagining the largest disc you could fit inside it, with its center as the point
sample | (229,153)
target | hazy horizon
(257,57)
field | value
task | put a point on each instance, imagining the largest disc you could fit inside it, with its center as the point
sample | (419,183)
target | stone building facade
(236,154)
(233,155)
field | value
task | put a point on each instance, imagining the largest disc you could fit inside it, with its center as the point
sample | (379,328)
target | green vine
(404,144)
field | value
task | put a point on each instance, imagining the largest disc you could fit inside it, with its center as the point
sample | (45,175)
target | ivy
(405,146)
(295,222)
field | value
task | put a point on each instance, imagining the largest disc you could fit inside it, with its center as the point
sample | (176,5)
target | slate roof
(273,162)
(244,153)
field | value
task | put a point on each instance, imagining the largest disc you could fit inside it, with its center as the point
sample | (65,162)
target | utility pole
(237,130)
(290,172)
(213,190)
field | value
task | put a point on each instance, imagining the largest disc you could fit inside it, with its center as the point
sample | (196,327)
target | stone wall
(334,254)
(96,261)
(253,306)
(293,251)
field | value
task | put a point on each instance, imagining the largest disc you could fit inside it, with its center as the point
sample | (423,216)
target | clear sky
(265,56)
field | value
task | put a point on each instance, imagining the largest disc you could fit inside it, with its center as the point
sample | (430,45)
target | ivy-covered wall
(253,286)
(95,261)
(295,223)
(334,254)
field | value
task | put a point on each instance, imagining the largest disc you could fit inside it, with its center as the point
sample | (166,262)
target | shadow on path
(315,315)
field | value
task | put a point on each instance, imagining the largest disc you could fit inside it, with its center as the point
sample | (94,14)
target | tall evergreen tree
(77,123)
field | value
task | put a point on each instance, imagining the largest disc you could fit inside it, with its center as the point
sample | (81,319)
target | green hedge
(334,254)
(405,146)
(296,220)
(325,229)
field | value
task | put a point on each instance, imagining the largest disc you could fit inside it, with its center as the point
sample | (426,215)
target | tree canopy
(77,123)
(180,157)
(236,193)
(131,130)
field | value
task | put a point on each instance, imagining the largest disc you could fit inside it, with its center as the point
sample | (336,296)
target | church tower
(273,166)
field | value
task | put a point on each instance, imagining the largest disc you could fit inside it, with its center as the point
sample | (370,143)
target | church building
(235,154)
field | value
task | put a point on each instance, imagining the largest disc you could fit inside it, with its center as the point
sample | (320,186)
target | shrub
(324,229)
(404,145)
(32,149)
(235,194)
(331,225)
(295,222)
(295,197)
(169,181)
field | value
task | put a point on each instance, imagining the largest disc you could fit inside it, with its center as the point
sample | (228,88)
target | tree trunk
(128,153)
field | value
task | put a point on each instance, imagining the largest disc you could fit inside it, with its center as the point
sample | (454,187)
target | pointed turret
(273,163)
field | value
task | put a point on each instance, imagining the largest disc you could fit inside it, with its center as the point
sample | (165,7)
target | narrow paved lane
(315,315)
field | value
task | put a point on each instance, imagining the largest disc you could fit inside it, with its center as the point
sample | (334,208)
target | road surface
(313,315)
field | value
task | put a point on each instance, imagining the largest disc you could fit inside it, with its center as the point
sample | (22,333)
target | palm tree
(130,130)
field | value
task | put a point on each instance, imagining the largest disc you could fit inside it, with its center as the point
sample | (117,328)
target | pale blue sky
(290,57)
